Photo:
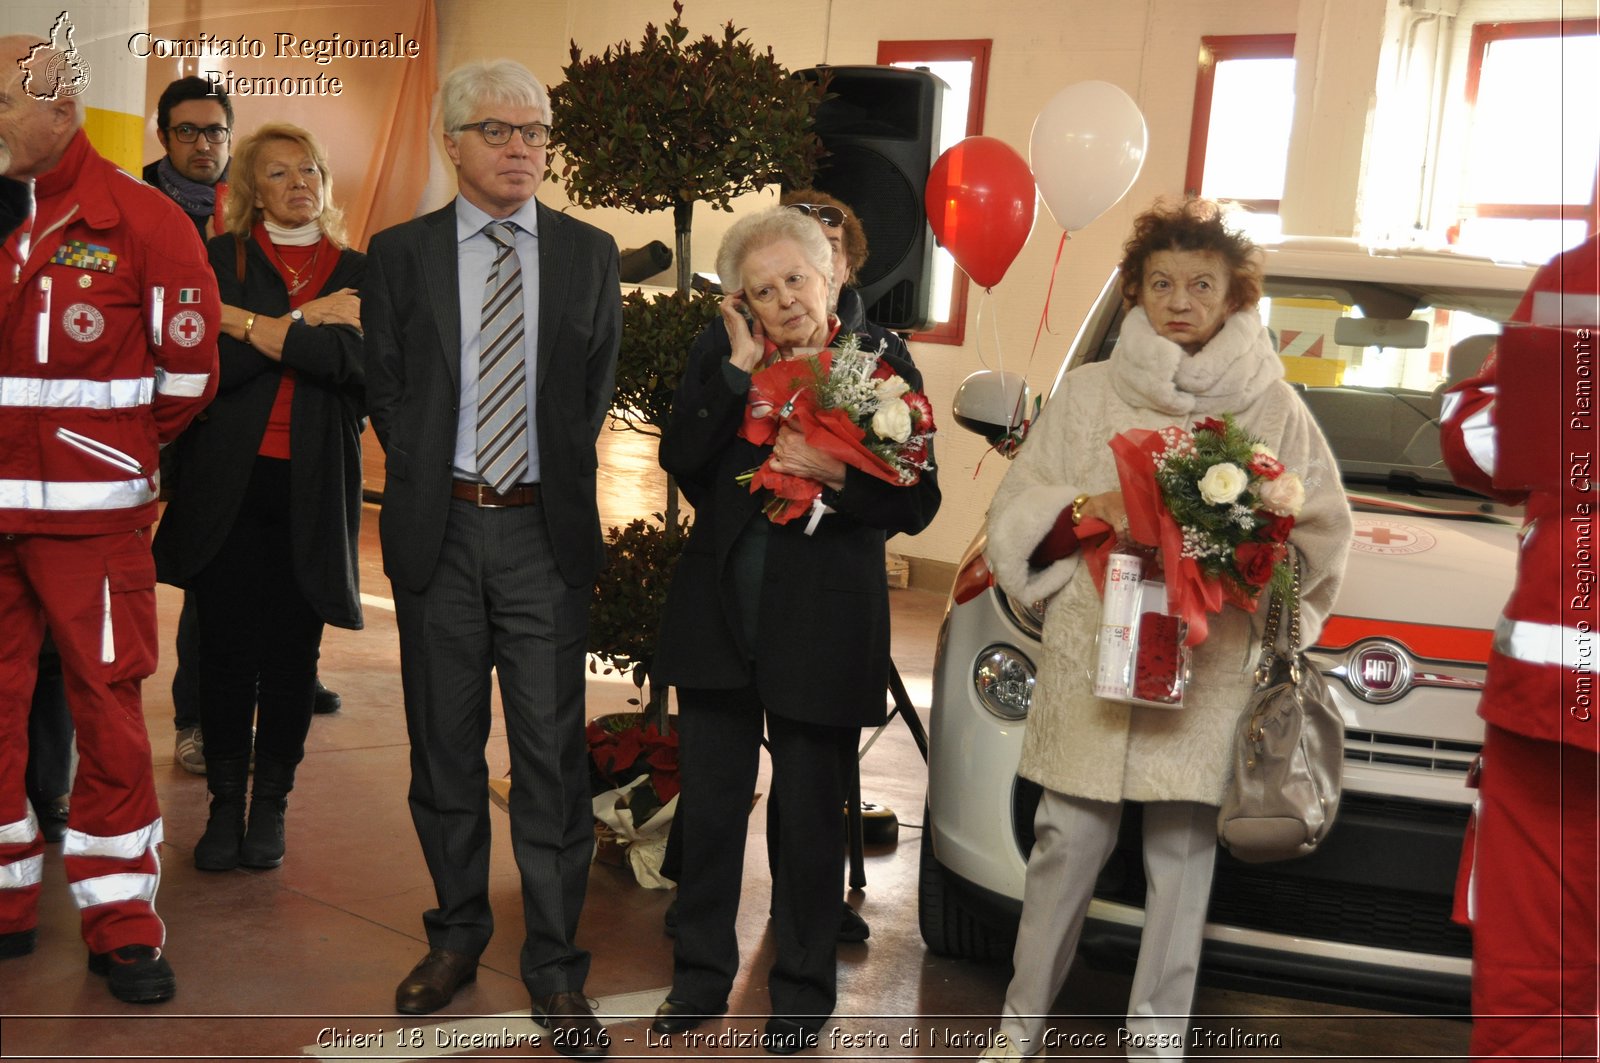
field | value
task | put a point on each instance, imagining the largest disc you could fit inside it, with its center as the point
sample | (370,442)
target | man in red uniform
(108,324)
(1530,883)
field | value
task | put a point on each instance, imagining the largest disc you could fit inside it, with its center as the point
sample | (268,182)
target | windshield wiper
(1401,482)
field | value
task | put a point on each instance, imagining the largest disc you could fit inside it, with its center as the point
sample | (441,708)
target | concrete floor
(302,961)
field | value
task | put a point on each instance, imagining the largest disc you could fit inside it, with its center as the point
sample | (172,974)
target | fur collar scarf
(1226,376)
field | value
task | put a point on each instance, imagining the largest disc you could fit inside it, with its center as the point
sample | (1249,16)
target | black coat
(824,609)
(326,419)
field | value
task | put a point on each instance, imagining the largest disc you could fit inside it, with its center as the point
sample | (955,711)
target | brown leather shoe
(574,1031)
(433,982)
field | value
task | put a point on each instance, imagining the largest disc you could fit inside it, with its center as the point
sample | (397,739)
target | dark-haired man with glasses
(195,126)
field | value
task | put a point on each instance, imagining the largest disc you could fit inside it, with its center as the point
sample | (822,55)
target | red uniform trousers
(1533,900)
(97,595)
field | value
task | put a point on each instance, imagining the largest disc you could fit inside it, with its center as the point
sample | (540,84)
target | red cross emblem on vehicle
(187,328)
(83,322)
(1380,536)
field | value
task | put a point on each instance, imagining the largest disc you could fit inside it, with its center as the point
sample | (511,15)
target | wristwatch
(296,315)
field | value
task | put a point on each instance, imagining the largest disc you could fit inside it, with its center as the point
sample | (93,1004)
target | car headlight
(1029,616)
(1003,678)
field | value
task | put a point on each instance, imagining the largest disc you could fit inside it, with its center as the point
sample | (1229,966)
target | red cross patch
(83,322)
(186,328)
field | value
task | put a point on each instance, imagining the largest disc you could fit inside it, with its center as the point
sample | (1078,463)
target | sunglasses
(832,217)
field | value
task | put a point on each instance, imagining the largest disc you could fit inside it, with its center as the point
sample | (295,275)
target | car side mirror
(992,403)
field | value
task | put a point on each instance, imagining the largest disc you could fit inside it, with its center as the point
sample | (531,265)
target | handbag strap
(1269,637)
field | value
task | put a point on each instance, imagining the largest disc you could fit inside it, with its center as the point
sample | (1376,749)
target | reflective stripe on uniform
(1477,435)
(21,832)
(108,889)
(77,394)
(181,385)
(64,497)
(129,846)
(1535,643)
(20,874)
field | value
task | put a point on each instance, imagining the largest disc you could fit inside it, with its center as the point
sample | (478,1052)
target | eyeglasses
(832,217)
(188,134)
(534,134)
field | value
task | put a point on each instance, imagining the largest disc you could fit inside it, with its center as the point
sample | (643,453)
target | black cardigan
(326,419)
(824,610)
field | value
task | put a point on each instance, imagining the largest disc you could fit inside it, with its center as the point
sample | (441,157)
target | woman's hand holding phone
(745,334)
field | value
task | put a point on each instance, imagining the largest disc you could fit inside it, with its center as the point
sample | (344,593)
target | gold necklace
(295,283)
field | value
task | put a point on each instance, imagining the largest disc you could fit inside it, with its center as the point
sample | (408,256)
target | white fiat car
(1373,338)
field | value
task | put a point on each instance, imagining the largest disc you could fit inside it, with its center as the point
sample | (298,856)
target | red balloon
(980,202)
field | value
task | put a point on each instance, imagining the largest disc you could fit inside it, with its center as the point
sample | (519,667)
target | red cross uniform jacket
(1542,668)
(108,347)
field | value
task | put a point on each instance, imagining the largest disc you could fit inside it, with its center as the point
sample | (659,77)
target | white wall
(1147,47)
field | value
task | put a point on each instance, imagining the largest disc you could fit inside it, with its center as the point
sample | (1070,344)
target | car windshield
(1373,361)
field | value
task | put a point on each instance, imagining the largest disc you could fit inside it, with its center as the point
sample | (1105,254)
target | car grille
(1328,896)
(1410,752)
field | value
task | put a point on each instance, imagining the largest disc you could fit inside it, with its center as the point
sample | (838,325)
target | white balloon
(1086,149)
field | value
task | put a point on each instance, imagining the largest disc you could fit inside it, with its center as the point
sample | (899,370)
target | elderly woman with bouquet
(778,613)
(1195,370)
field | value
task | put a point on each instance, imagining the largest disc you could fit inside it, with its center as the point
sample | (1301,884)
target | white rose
(893,421)
(1223,483)
(1284,496)
(889,388)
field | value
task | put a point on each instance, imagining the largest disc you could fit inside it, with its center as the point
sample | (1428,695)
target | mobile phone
(743,308)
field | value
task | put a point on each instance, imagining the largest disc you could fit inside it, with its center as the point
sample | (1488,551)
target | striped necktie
(502,375)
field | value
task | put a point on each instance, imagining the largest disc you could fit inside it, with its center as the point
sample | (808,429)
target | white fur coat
(1108,751)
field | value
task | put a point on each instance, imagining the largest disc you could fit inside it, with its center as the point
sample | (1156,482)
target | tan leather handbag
(1288,753)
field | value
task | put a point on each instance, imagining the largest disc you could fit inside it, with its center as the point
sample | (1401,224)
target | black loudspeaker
(879,125)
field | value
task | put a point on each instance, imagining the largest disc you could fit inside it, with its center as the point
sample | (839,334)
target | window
(1239,139)
(964,66)
(1534,92)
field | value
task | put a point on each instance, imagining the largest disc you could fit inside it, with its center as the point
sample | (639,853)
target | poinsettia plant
(624,747)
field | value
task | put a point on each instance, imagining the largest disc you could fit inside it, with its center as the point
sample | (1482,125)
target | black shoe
(325,701)
(53,821)
(785,1037)
(852,927)
(19,943)
(136,974)
(677,1016)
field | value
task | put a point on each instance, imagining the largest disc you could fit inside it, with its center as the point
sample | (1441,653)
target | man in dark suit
(490,353)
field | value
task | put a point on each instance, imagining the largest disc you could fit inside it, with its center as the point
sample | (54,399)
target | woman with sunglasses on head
(264,532)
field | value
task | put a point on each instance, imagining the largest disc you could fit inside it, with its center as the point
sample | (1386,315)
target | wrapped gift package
(1141,658)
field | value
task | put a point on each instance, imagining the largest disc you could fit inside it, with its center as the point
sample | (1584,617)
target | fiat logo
(1379,671)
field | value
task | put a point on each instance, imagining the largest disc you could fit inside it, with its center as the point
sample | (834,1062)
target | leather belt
(485,497)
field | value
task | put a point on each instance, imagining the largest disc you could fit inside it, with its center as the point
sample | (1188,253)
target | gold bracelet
(249,323)
(1077,508)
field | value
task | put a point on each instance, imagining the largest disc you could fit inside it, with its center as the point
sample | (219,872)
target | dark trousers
(259,635)
(49,732)
(186,676)
(719,746)
(496,601)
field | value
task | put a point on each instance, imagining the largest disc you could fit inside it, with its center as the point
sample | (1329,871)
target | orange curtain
(376,129)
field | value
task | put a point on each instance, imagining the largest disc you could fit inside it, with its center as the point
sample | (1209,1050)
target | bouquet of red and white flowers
(1219,504)
(847,402)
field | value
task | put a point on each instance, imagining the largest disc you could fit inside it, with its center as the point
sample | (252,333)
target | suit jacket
(411,309)
(215,454)
(824,608)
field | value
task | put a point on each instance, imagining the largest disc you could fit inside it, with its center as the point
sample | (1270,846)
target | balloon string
(1013,440)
